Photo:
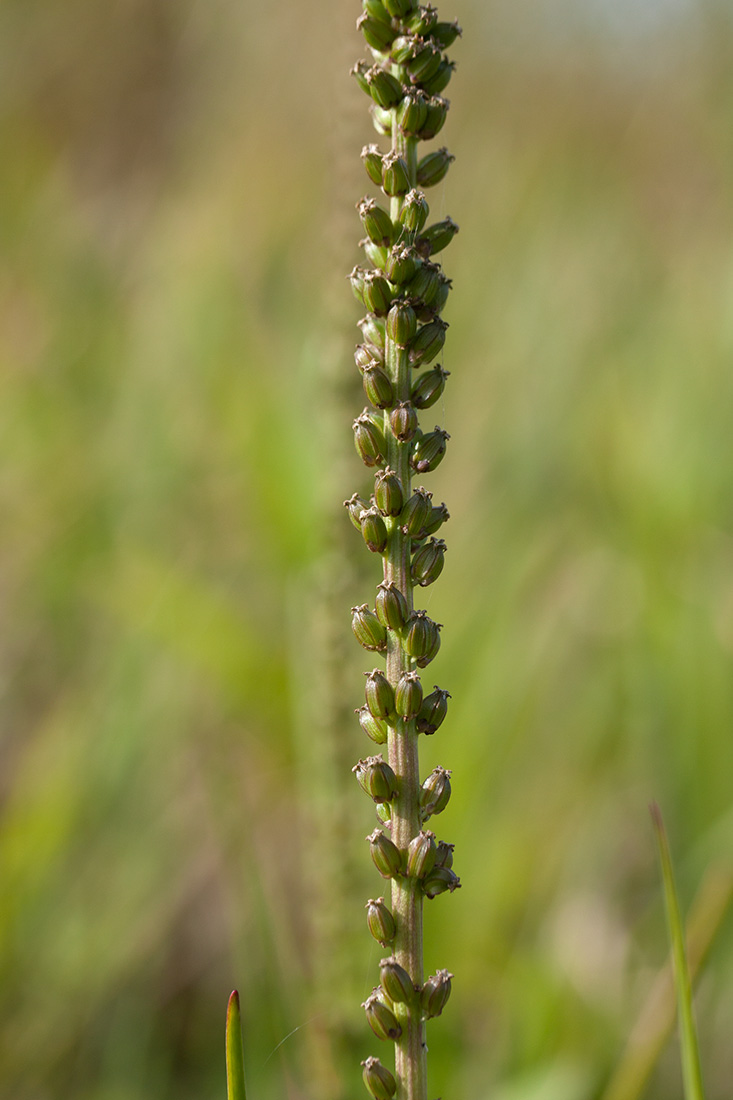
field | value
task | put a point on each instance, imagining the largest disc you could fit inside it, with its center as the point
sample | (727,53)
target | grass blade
(692,1077)
(235,1051)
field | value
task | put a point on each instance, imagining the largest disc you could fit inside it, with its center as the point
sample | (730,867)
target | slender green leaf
(692,1077)
(235,1051)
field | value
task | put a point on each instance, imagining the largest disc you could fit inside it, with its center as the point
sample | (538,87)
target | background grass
(178,817)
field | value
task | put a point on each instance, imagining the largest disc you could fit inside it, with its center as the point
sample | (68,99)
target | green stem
(407,901)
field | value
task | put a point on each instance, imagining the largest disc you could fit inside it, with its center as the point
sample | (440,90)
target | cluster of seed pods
(403,290)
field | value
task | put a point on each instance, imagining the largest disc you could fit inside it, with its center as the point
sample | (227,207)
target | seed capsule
(399,8)
(440,79)
(377,34)
(408,696)
(376,221)
(403,422)
(366,355)
(377,386)
(377,10)
(421,854)
(421,634)
(424,64)
(386,855)
(435,993)
(428,342)
(433,167)
(435,792)
(438,516)
(429,387)
(433,711)
(412,112)
(380,1017)
(444,857)
(425,282)
(427,564)
(373,330)
(356,506)
(440,297)
(372,158)
(377,292)
(439,880)
(359,72)
(382,120)
(428,451)
(381,922)
(388,494)
(367,628)
(423,20)
(416,511)
(445,34)
(374,530)
(414,211)
(424,661)
(376,253)
(395,981)
(373,727)
(376,778)
(378,1080)
(384,813)
(395,173)
(356,278)
(391,606)
(379,694)
(403,48)
(369,441)
(402,264)
(384,88)
(401,323)
(439,235)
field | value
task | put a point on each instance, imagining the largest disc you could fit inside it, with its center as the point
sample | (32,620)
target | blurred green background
(177,813)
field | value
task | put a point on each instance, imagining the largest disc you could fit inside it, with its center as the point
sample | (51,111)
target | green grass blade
(235,1051)
(692,1077)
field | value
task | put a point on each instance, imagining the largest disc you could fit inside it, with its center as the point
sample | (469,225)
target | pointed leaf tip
(234,1050)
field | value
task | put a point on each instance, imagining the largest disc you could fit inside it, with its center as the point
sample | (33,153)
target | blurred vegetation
(177,813)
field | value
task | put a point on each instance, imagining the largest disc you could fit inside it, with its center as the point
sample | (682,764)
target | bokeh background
(178,816)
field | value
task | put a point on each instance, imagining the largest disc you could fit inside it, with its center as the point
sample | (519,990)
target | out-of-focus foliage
(178,815)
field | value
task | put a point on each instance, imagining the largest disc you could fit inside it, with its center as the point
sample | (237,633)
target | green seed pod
(428,451)
(367,628)
(385,89)
(379,694)
(424,661)
(408,696)
(420,635)
(376,778)
(381,922)
(440,79)
(377,292)
(421,854)
(377,34)
(435,792)
(384,813)
(399,8)
(377,10)
(423,20)
(385,854)
(356,278)
(440,297)
(414,211)
(439,880)
(376,253)
(435,993)
(391,606)
(377,387)
(402,264)
(359,72)
(444,857)
(356,506)
(445,34)
(372,159)
(373,329)
(388,494)
(369,441)
(381,120)
(425,283)
(435,116)
(376,221)
(380,1017)
(424,64)
(412,112)
(429,388)
(433,167)
(401,323)
(428,342)
(427,564)
(378,1080)
(373,727)
(416,511)
(403,48)
(403,421)
(395,981)
(395,173)
(439,235)
(374,530)
(438,516)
